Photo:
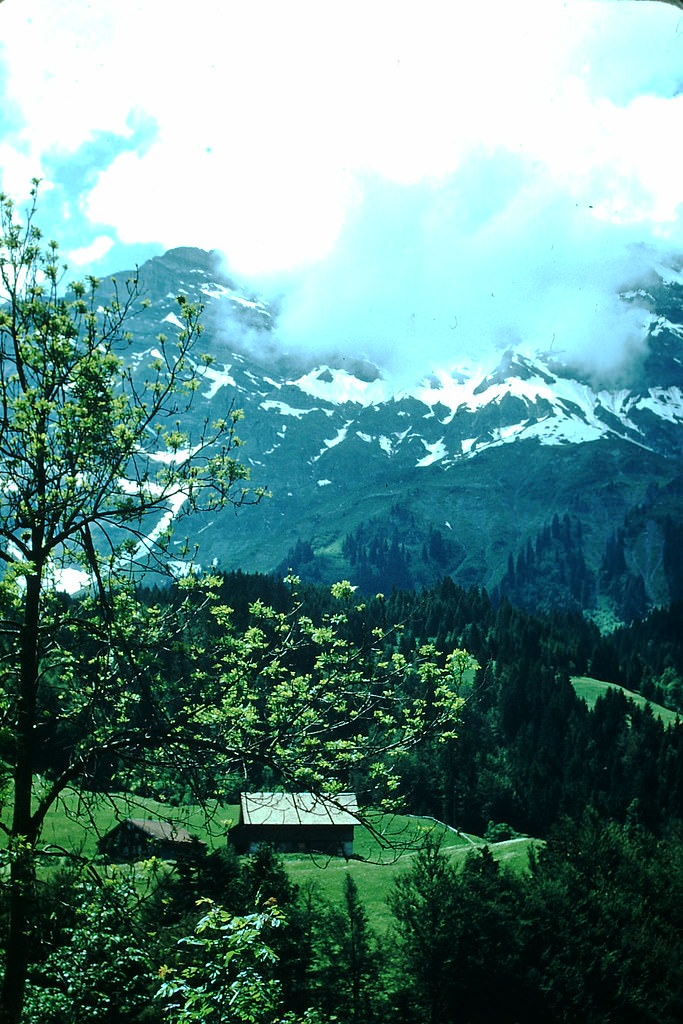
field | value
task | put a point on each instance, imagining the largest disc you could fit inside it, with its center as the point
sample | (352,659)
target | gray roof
(298,809)
(164,830)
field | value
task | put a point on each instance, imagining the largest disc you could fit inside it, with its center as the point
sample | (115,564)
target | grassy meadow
(374,868)
(590,689)
(382,849)
(77,821)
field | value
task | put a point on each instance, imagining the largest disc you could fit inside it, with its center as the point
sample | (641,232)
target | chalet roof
(298,809)
(164,830)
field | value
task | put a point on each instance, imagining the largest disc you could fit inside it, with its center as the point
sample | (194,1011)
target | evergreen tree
(422,903)
(347,960)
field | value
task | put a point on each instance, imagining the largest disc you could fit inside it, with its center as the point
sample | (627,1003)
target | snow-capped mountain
(524,476)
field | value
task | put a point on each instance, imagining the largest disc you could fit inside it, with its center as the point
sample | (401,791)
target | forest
(528,750)
(589,930)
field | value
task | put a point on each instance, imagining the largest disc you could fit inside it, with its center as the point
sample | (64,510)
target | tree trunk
(23,838)
(17,956)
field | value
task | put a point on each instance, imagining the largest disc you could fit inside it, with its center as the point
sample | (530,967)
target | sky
(425,185)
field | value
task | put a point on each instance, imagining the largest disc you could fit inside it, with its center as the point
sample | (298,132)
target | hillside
(591,690)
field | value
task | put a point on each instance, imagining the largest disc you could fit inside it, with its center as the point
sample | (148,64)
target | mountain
(526,477)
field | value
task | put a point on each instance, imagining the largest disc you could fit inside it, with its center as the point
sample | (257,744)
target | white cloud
(410,159)
(18,169)
(417,286)
(267,111)
(271,220)
(90,253)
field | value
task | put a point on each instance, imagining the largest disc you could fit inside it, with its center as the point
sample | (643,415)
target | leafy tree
(90,459)
(315,708)
(87,456)
(228,977)
(99,971)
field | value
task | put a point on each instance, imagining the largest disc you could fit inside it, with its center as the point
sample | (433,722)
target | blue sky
(394,168)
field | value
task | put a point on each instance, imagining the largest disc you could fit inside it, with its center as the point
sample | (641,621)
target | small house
(140,838)
(296,823)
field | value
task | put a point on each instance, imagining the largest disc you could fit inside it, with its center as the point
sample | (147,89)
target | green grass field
(590,689)
(76,822)
(382,850)
(374,876)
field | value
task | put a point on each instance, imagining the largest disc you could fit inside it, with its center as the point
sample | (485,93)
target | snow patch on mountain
(563,397)
(663,324)
(669,275)
(218,379)
(69,580)
(334,441)
(172,319)
(448,391)
(667,403)
(549,431)
(284,409)
(173,458)
(215,291)
(340,386)
(561,409)
(570,430)
(435,452)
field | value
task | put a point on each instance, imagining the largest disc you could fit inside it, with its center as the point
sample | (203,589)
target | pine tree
(422,905)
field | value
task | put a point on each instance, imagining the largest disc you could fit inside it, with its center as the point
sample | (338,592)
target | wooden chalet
(296,823)
(140,838)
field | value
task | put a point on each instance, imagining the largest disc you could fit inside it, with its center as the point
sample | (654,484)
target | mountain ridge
(485,459)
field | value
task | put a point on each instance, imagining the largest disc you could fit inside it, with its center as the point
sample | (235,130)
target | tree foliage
(90,459)
(305,701)
(96,460)
(99,969)
(227,977)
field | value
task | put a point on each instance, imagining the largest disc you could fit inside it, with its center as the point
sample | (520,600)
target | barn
(140,838)
(296,823)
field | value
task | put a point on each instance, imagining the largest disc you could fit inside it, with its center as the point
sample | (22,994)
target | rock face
(528,479)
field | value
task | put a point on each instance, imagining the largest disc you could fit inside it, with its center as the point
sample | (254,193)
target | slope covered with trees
(528,750)
(590,932)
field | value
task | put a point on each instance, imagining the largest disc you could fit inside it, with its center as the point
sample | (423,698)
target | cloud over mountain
(439,276)
(423,186)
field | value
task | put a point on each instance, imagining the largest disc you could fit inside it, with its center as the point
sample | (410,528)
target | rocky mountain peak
(359,466)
